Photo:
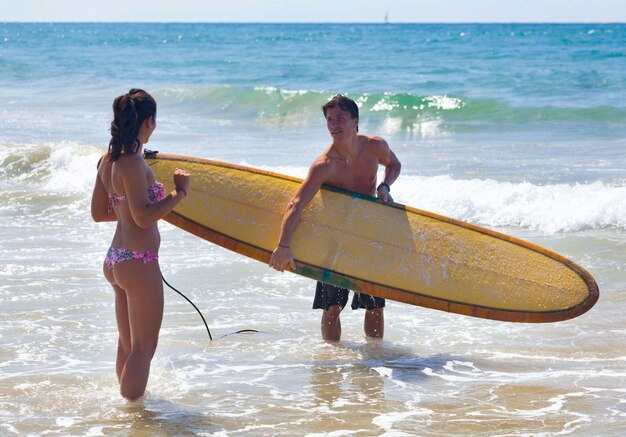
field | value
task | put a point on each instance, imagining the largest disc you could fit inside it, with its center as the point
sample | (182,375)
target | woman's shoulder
(103,161)
(130,161)
(130,168)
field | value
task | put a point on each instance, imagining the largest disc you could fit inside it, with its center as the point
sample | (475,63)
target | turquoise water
(519,128)
(556,90)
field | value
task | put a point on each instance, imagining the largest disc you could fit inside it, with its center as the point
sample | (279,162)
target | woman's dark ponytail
(129,112)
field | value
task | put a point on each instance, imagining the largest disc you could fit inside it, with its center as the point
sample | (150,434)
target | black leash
(241,331)
(194,305)
(151,154)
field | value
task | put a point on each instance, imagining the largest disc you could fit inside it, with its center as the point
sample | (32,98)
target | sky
(307,11)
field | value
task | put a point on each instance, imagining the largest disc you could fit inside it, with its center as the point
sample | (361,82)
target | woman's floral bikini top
(156,193)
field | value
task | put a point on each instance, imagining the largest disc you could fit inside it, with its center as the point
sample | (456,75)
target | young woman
(127,192)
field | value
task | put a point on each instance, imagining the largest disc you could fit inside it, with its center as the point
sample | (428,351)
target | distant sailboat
(386,18)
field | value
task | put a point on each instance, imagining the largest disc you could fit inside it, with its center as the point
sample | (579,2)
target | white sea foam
(387,421)
(50,167)
(73,167)
(445,103)
(9,428)
(547,208)
(69,167)
(550,209)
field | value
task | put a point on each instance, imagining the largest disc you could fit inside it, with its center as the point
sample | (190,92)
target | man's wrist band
(384,184)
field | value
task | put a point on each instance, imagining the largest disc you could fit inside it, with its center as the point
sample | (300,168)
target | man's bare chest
(359,176)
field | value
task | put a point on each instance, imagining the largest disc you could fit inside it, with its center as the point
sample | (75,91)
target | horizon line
(383,23)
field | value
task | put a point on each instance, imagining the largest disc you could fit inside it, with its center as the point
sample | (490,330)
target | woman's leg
(123,324)
(144,293)
(123,327)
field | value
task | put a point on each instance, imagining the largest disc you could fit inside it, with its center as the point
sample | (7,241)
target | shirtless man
(350,162)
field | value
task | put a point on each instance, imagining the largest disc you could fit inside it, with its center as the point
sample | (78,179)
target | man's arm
(318,174)
(392,168)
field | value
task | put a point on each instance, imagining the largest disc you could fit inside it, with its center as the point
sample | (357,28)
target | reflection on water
(155,416)
(354,395)
(434,374)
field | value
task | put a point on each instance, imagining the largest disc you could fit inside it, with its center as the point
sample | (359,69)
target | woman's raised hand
(182,179)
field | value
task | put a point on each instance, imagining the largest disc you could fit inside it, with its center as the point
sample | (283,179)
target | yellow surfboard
(387,250)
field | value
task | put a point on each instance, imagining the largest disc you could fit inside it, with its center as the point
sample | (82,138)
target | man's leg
(331,324)
(374,324)
(331,299)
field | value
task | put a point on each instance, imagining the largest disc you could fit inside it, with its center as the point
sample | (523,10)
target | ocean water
(518,128)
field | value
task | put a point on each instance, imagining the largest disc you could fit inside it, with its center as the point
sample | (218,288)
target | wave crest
(50,167)
(546,208)
(408,111)
(70,168)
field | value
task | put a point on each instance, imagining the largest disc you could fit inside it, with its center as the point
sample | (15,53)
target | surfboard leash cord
(193,304)
(241,331)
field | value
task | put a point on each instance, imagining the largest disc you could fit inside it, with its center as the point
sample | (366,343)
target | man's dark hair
(345,103)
